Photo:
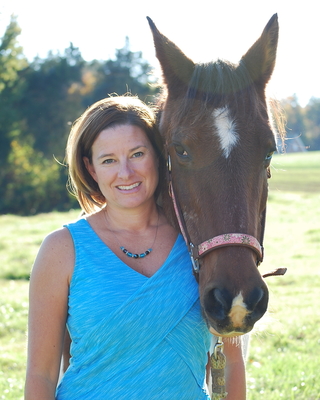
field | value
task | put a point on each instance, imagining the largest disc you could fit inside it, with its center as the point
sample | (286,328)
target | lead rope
(218,364)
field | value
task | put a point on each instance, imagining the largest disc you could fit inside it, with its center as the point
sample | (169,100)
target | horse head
(216,127)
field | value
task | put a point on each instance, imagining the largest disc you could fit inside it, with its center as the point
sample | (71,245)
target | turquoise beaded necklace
(136,255)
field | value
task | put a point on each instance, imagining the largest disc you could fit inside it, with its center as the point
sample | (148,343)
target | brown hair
(106,113)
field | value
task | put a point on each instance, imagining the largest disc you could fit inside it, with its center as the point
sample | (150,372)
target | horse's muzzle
(230,315)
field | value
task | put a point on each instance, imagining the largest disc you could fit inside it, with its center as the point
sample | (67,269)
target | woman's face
(125,166)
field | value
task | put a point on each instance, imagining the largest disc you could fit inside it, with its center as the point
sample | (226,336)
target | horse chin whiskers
(234,340)
(232,335)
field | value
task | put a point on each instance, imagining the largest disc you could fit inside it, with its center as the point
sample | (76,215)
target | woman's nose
(125,169)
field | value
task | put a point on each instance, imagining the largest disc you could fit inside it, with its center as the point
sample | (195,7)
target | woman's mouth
(129,187)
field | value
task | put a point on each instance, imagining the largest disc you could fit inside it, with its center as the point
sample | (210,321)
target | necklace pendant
(135,255)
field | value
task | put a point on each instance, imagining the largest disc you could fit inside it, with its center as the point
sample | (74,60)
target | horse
(219,141)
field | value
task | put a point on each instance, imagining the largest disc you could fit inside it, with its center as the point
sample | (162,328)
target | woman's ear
(90,168)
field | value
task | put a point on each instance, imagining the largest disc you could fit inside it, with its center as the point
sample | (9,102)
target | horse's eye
(180,150)
(269,156)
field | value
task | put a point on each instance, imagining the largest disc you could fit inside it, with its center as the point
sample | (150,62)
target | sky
(204,30)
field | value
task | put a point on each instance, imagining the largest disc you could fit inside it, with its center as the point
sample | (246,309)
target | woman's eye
(137,154)
(108,161)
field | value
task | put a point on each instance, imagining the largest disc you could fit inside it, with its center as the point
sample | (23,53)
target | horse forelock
(219,82)
(219,78)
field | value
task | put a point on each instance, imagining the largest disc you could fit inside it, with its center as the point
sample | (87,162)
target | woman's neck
(132,219)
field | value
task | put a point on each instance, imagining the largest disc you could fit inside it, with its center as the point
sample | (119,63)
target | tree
(128,72)
(52,99)
(303,121)
(12,62)
(312,122)
(294,115)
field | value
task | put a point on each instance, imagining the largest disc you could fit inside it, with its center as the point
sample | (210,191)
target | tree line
(40,100)
(303,122)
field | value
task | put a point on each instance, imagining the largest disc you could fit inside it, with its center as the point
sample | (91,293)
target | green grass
(13,319)
(20,238)
(284,353)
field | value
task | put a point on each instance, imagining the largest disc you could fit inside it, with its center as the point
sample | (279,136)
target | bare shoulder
(60,239)
(56,254)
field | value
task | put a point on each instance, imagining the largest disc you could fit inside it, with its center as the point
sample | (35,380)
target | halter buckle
(194,255)
(169,163)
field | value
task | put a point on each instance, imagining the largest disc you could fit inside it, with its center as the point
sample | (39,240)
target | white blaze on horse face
(238,311)
(226,129)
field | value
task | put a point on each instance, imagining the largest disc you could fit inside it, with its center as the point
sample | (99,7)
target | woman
(119,278)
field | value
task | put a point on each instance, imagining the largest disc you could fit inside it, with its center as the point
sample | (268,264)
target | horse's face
(220,144)
(219,172)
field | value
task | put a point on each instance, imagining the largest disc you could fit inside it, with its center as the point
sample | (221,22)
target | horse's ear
(261,57)
(177,68)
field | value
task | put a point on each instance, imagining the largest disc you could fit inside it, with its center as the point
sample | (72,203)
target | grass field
(284,354)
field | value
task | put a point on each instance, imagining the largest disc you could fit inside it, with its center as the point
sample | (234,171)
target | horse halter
(229,239)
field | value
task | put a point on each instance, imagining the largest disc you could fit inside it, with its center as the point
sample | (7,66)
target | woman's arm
(235,370)
(48,302)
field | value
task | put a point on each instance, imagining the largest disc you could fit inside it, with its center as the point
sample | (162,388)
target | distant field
(296,172)
(283,362)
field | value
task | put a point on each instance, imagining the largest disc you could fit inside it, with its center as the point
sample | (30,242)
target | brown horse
(215,122)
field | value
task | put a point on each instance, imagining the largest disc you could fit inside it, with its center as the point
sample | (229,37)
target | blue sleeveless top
(133,336)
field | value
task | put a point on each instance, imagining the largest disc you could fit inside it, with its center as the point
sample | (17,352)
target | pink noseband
(230,239)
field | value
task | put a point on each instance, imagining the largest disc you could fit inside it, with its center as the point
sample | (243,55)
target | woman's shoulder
(56,253)
(59,238)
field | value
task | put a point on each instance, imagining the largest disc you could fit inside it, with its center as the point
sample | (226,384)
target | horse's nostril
(217,303)
(254,298)
(257,301)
